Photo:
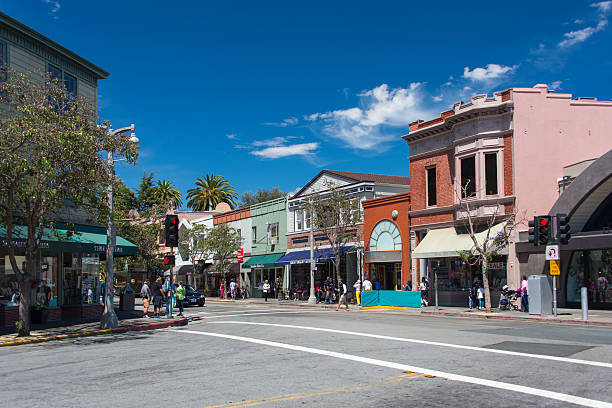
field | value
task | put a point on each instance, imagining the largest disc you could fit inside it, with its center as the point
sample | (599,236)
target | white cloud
(438,98)
(303,149)
(292,121)
(275,141)
(55,7)
(491,71)
(575,37)
(578,21)
(555,85)
(365,127)
(232,136)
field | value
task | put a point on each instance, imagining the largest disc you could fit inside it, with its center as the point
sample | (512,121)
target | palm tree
(209,191)
(166,191)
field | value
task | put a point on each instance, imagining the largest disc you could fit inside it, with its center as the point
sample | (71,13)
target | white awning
(445,242)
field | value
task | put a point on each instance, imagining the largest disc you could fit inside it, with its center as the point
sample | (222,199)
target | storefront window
(456,274)
(81,276)
(592,269)
(47,290)
(8,278)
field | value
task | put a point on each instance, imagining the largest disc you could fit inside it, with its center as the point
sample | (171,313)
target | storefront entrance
(388,274)
(592,269)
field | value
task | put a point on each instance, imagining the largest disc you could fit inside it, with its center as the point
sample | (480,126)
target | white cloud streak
(232,136)
(292,121)
(277,152)
(490,72)
(578,36)
(365,127)
(555,85)
(55,7)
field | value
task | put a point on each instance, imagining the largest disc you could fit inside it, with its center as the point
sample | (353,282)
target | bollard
(584,303)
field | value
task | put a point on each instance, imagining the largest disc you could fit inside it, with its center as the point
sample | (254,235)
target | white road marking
(232,312)
(264,313)
(431,343)
(404,367)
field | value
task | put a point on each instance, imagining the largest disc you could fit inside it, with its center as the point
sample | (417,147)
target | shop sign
(102,248)
(21,243)
(497,265)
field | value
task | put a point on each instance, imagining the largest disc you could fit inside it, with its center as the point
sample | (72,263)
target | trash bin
(539,288)
(126,300)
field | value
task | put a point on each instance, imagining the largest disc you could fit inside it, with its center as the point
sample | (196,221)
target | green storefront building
(269,243)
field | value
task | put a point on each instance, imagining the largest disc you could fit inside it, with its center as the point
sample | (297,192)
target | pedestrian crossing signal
(169,260)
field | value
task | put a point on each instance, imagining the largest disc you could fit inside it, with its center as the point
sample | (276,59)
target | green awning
(84,238)
(445,242)
(263,261)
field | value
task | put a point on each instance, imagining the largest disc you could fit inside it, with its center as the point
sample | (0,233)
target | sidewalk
(128,321)
(567,316)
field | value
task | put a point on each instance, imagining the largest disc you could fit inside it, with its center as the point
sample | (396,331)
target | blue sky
(267,93)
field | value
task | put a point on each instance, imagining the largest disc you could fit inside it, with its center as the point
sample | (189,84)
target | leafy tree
(221,244)
(124,199)
(50,159)
(209,191)
(261,196)
(145,236)
(191,245)
(487,237)
(146,193)
(336,216)
(166,192)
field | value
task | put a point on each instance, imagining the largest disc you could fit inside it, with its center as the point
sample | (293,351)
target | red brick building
(387,240)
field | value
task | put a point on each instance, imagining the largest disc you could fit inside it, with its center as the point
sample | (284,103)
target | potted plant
(39,314)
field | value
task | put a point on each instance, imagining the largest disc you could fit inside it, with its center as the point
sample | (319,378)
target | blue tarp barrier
(390,298)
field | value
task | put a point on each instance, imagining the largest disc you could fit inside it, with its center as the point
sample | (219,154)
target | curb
(273,303)
(520,318)
(141,327)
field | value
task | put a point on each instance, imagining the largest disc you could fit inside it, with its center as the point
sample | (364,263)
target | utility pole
(312,298)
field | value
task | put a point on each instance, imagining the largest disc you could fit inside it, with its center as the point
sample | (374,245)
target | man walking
(145,294)
(278,288)
(329,287)
(169,292)
(342,295)
(158,296)
(233,289)
(367,285)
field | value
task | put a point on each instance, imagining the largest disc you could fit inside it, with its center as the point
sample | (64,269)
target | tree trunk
(485,282)
(25,302)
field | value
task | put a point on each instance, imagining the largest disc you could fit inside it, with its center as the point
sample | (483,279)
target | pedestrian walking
(266,290)
(180,296)
(524,295)
(278,288)
(367,285)
(145,294)
(424,288)
(357,287)
(341,295)
(233,289)
(222,290)
(169,295)
(481,297)
(158,296)
(329,288)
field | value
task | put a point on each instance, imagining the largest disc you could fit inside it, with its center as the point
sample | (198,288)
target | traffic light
(563,229)
(169,260)
(543,229)
(533,232)
(172,230)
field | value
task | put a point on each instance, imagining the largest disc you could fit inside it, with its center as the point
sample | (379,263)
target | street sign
(552,252)
(241,255)
(554,267)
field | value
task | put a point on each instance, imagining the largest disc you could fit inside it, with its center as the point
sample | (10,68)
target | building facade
(268,244)
(361,186)
(70,267)
(387,241)
(488,153)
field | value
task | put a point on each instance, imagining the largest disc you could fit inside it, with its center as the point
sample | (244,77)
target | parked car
(193,297)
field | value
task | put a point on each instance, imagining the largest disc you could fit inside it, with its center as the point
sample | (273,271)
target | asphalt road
(271,356)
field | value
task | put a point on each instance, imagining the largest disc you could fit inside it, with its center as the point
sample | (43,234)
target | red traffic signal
(172,230)
(169,260)
(543,222)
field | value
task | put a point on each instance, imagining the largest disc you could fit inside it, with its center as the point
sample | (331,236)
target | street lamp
(109,318)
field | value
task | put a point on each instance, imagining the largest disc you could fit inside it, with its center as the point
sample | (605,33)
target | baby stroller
(510,299)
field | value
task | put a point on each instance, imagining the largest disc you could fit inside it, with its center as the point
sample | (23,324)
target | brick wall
(380,209)
(9,316)
(92,311)
(444,177)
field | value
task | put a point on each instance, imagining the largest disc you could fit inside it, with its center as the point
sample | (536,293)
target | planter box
(8,316)
(38,316)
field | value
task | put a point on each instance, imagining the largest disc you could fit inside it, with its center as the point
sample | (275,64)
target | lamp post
(109,318)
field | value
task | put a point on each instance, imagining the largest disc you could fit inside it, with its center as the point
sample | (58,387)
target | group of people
(158,293)
(231,291)
(271,290)
(476,295)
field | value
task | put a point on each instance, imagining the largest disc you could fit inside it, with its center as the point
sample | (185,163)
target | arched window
(385,237)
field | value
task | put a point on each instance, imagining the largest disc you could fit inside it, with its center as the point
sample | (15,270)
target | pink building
(494,143)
